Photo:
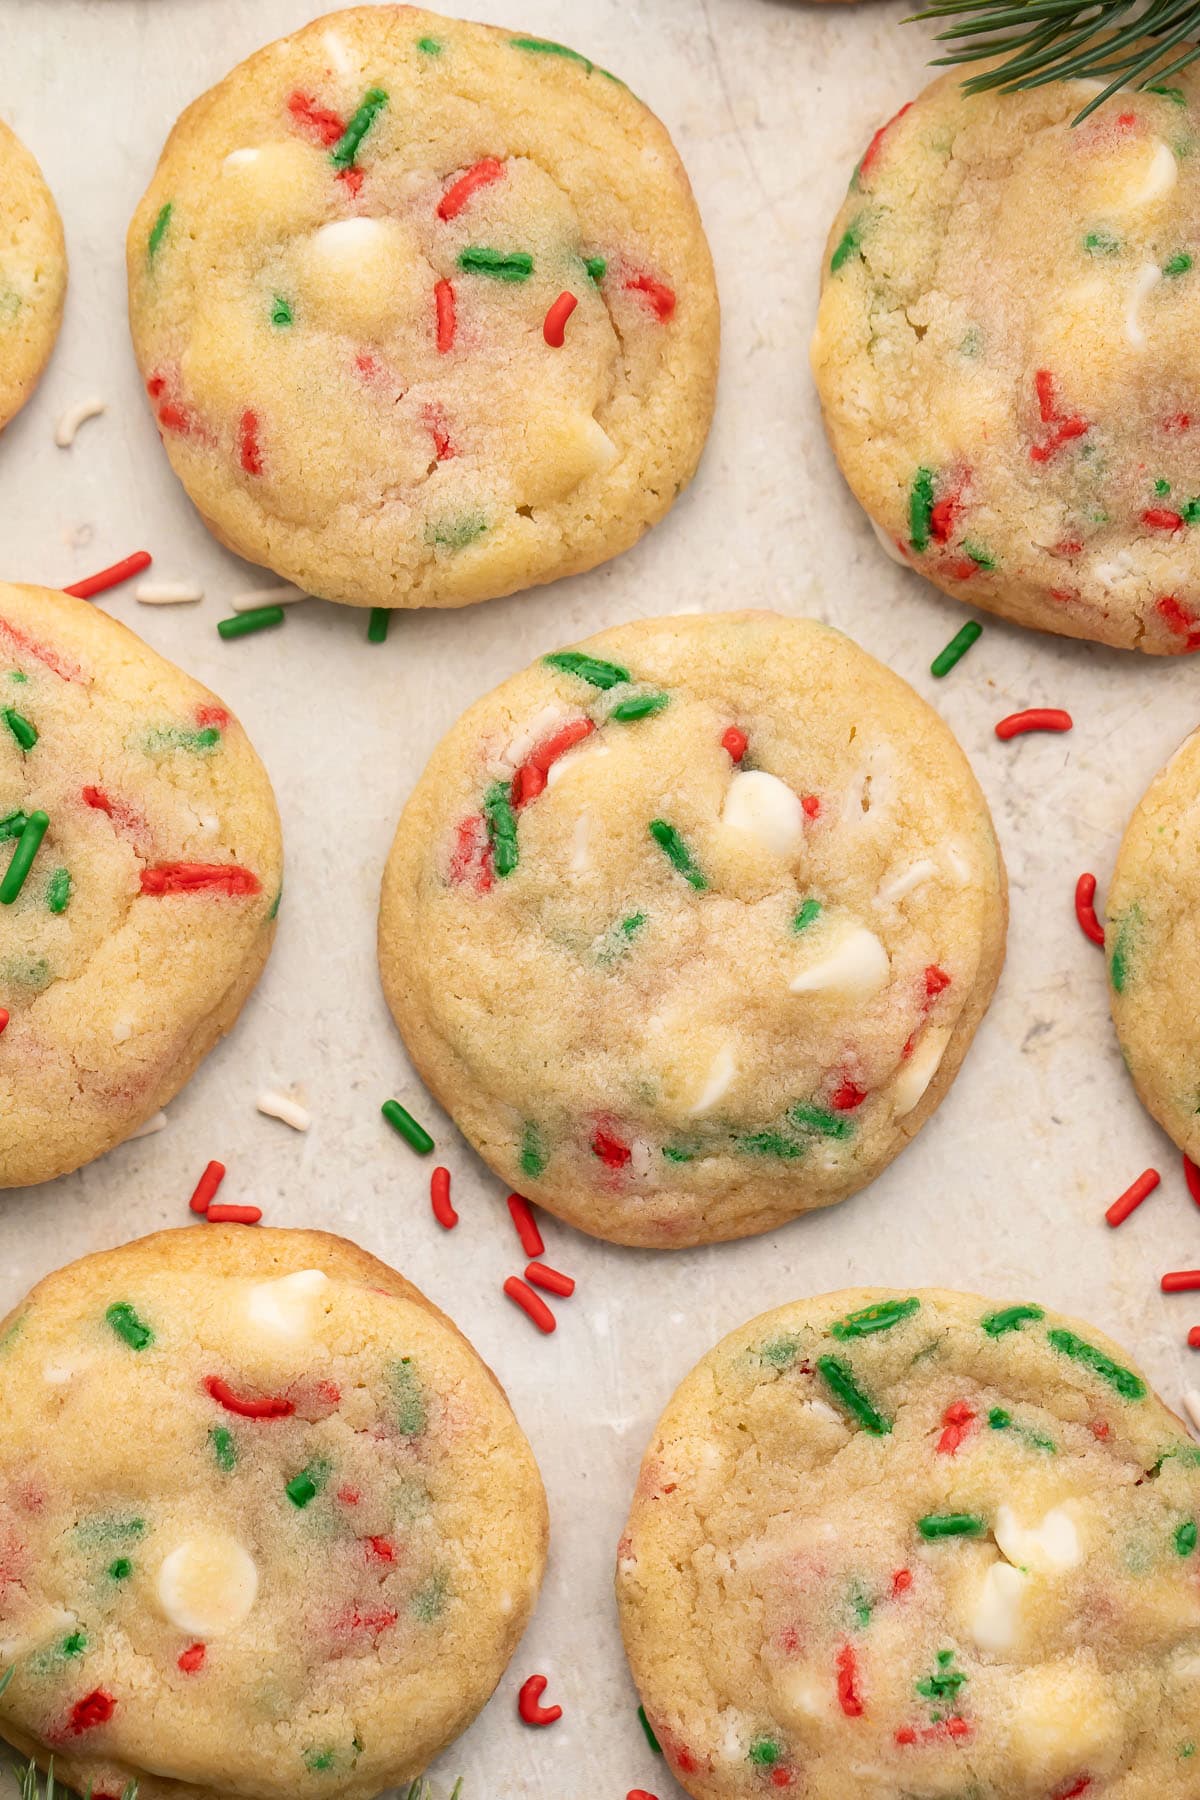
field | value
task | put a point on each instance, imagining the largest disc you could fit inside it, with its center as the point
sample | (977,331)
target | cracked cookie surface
(33,273)
(425,310)
(148,908)
(1005,355)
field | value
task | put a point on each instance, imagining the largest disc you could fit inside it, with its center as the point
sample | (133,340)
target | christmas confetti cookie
(299,1554)
(893,1544)
(33,274)
(689,926)
(140,868)
(1150,942)
(1004,353)
(464,334)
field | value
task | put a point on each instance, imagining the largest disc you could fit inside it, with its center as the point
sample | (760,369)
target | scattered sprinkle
(1191,1406)
(1034,718)
(112,577)
(596,266)
(455,198)
(67,428)
(206,1187)
(1181,1281)
(346,149)
(403,1122)
(1127,1384)
(677,853)
(242,624)
(478,259)
(555,322)
(658,296)
(945,1525)
(128,1327)
(251,599)
(269,1406)
(1085,909)
(550,1280)
(529,1303)
(167,593)
(287,1110)
(956,649)
(24,851)
(377,624)
(1193,1338)
(528,1703)
(840,1379)
(233,1215)
(736,743)
(439,1199)
(526,1225)
(1133,1196)
(447,315)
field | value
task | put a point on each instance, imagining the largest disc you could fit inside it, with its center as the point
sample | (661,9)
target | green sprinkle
(1101,243)
(981,557)
(1187,1748)
(403,1122)
(945,1681)
(871,1319)
(640,707)
(257,619)
(502,828)
(1170,93)
(678,1153)
(318,1761)
(429,46)
(274,909)
(765,1752)
(677,853)
(1185,1537)
(121,1569)
(430,1600)
(920,509)
(477,259)
(58,891)
(305,1486)
(839,1378)
(281,312)
(809,911)
(1118,966)
(956,649)
(849,246)
(224,1449)
(947,1525)
(588,668)
(12,825)
(25,733)
(780,1352)
(456,534)
(18,675)
(128,1327)
(377,624)
(998,1419)
(596,266)
(632,925)
(1178,264)
(820,1120)
(75,1645)
(172,738)
(110,1530)
(158,230)
(770,1143)
(545,47)
(1010,1318)
(533,1155)
(361,120)
(1162,487)
(972,342)
(646,1726)
(411,1413)
(1127,1384)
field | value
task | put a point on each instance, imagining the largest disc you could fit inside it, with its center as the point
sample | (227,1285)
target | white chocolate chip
(959,863)
(238,159)
(995,1622)
(857,965)
(335,49)
(121,1029)
(1162,173)
(1063,1718)
(765,810)
(208,1586)
(1147,277)
(917,1073)
(722,1072)
(889,544)
(70,422)
(571,763)
(820,1409)
(1191,1406)
(581,859)
(285,1307)
(915,876)
(1047,1548)
(522,746)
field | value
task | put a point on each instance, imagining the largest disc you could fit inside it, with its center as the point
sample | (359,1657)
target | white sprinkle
(721,1074)
(1191,1406)
(821,1410)
(959,863)
(149,1128)
(914,876)
(273,596)
(1147,277)
(890,545)
(581,858)
(166,593)
(338,55)
(239,159)
(122,1029)
(280,1106)
(857,965)
(68,425)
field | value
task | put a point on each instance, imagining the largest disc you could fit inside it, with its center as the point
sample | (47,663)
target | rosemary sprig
(1121,43)
(29,1779)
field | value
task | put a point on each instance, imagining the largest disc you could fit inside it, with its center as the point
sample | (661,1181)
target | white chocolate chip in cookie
(1048,1548)
(907,879)
(722,1072)
(996,1616)
(916,1074)
(1147,277)
(1065,1719)
(286,1307)
(857,964)
(761,808)
(355,274)
(207,1586)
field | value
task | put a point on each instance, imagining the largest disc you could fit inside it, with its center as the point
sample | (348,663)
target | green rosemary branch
(1122,43)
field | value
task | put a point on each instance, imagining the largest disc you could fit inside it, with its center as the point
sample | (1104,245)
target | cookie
(893,1544)
(267,1524)
(462,336)
(1153,959)
(33,274)
(689,927)
(1004,353)
(140,866)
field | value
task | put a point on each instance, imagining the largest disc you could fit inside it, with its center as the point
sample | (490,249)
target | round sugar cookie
(267,1524)
(1153,956)
(1006,357)
(894,1544)
(33,274)
(425,310)
(140,868)
(689,927)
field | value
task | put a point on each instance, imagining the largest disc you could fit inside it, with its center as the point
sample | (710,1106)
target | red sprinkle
(189,878)
(68,671)
(271,1406)
(352,179)
(901,1582)
(447,317)
(1034,718)
(526,1224)
(1181,1281)
(958,1419)
(96,1708)
(322,124)
(207,1186)
(3,1018)
(1193,1338)
(847,1097)
(873,148)
(1085,1781)
(1191,1174)
(1085,909)
(936,981)
(554,324)
(735,742)
(112,577)
(942,517)
(437,425)
(811,805)
(612,1151)
(1179,619)
(640,1794)
(482,175)
(1133,1196)
(1161,518)
(234,1215)
(849,1698)
(192,1660)
(530,779)
(529,1303)
(528,1703)
(248,444)
(382,1548)
(660,297)
(439,1198)
(550,1280)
